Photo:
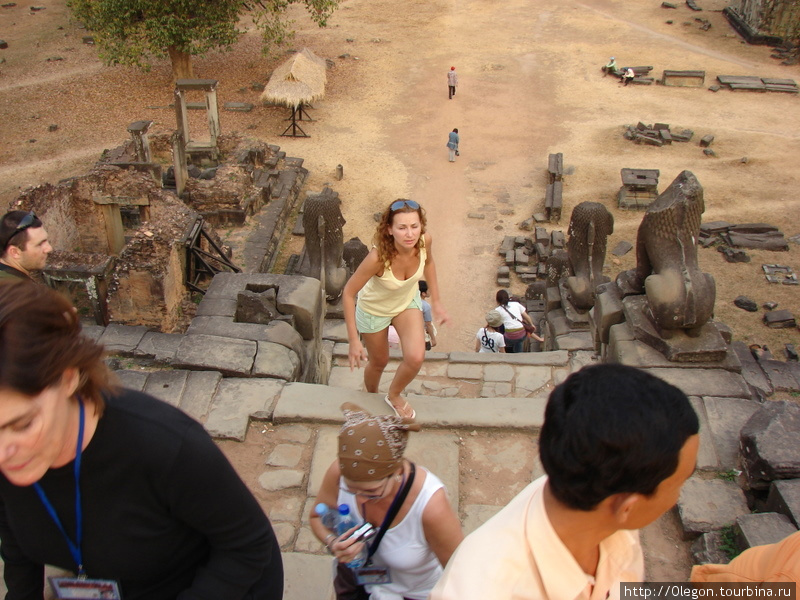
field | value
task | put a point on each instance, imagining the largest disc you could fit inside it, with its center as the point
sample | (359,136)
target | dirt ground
(530,85)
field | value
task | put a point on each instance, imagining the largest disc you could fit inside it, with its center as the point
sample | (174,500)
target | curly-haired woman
(383,291)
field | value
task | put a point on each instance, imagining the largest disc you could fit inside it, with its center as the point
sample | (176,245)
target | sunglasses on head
(403,203)
(24,224)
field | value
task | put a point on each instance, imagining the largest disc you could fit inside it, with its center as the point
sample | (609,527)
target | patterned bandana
(371,447)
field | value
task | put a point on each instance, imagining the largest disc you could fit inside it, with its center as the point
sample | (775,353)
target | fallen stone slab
(238,400)
(726,417)
(705,382)
(733,255)
(709,549)
(769,444)
(762,528)
(709,505)
(784,498)
(238,106)
(706,140)
(274,360)
(751,371)
(715,227)
(780,375)
(780,319)
(208,352)
(622,248)
(775,242)
(122,339)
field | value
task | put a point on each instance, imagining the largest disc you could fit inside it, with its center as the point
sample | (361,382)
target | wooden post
(114,230)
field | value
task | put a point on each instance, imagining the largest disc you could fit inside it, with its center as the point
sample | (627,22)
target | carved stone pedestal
(676,345)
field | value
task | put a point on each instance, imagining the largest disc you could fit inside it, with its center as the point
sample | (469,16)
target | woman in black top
(142,496)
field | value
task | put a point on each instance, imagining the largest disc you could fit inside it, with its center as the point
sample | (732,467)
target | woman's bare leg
(377,345)
(411,329)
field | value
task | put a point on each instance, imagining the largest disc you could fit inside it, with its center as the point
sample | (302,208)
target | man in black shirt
(24,245)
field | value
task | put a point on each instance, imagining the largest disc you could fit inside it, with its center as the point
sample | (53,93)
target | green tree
(132,32)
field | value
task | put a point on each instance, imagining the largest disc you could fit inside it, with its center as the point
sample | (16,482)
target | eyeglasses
(24,224)
(403,203)
(367,495)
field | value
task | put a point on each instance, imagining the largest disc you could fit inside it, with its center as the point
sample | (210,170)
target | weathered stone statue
(354,252)
(679,294)
(589,227)
(327,205)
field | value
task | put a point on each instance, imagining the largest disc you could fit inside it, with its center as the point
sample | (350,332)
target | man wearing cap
(488,338)
(24,245)
(452,81)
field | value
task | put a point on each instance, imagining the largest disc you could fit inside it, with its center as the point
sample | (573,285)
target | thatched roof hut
(300,80)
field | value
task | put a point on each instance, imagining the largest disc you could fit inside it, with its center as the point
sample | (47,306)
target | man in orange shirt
(617,444)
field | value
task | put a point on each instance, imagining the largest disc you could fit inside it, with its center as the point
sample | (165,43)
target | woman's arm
(368,268)
(441,526)
(344,551)
(433,282)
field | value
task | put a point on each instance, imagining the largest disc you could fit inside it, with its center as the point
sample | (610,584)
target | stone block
(751,371)
(167,385)
(705,382)
(708,549)
(709,505)
(707,346)
(498,373)
(236,401)
(209,352)
(784,498)
(607,310)
(557,320)
(307,576)
(198,392)
(438,452)
(159,346)
(706,454)
(216,307)
(132,380)
(122,339)
(552,298)
(532,379)
(276,480)
(285,455)
(761,529)
(779,319)
(274,360)
(461,371)
(325,451)
(769,444)
(256,307)
(334,329)
(93,332)
(343,377)
(726,417)
(779,374)
(499,389)
(300,297)
(577,340)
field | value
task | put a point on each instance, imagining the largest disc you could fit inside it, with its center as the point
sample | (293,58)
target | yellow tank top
(387,296)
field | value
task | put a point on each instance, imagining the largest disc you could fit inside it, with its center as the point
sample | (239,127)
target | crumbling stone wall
(775,17)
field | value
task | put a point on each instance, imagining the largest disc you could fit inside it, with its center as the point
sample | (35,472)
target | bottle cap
(344,509)
(321,508)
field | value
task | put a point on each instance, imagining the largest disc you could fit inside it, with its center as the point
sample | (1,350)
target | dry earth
(530,85)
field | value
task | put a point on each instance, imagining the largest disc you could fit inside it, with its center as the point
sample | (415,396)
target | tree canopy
(133,32)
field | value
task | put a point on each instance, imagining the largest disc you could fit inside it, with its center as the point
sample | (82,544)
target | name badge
(373,575)
(84,589)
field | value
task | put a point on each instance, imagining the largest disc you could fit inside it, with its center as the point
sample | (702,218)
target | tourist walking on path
(405,502)
(427,316)
(452,81)
(514,319)
(452,144)
(149,504)
(387,291)
(24,245)
(488,339)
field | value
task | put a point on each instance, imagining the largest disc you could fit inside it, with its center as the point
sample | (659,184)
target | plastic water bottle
(344,523)
(327,515)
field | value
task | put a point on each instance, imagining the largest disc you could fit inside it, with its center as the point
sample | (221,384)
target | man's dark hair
(10,235)
(423,286)
(611,429)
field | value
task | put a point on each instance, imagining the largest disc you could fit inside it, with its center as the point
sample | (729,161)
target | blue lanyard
(74,547)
